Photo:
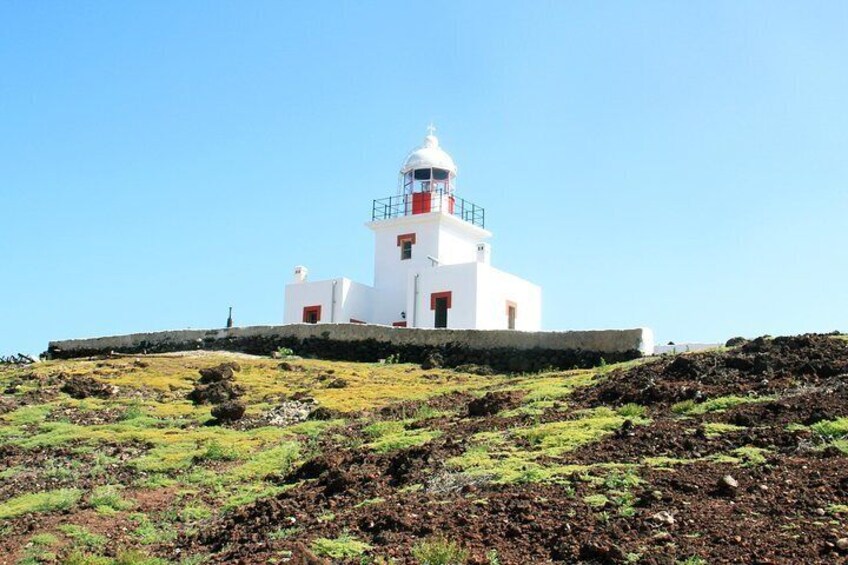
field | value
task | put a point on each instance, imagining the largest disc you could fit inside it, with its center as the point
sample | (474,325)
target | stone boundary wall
(503,350)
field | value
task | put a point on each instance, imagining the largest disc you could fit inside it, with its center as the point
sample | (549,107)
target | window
(311,314)
(440,174)
(405,242)
(422,174)
(511,308)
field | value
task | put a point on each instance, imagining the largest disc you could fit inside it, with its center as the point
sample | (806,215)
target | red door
(421,202)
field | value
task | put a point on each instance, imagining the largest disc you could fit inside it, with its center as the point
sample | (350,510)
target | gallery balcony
(426,202)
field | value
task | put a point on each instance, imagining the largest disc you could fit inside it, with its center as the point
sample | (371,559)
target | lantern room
(428,168)
(428,178)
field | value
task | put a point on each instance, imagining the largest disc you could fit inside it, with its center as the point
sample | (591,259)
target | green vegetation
(831,429)
(343,547)
(439,551)
(81,537)
(46,501)
(555,438)
(596,500)
(393,435)
(746,456)
(631,411)
(108,499)
(715,429)
(720,404)
(694,560)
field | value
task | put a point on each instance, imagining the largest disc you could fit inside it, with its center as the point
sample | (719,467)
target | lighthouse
(432,262)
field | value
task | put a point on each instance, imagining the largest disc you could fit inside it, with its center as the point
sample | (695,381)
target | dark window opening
(510,316)
(406,249)
(440,174)
(422,174)
(311,314)
(441,312)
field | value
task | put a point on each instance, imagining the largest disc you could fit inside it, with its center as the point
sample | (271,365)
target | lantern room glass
(428,180)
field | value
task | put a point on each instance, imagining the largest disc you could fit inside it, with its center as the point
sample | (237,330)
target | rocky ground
(738,455)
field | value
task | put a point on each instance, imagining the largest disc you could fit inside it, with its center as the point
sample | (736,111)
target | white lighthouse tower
(432,265)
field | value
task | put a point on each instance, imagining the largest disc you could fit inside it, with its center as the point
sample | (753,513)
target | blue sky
(679,165)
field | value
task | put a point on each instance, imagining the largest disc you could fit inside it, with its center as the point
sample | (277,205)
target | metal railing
(440,201)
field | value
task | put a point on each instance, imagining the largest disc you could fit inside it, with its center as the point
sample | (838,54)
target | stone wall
(503,350)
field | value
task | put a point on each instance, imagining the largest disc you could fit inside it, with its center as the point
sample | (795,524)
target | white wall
(438,235)
(352,300)
(313,293)
(496,288)
(460,280)
(684,348)
(457,246)
(358,302)
(479,295)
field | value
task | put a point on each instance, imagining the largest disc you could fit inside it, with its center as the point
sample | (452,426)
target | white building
(432,265)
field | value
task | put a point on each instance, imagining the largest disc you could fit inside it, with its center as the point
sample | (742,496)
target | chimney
(484,253)
(300,274)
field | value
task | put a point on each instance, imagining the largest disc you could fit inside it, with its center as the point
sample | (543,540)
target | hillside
(738,455)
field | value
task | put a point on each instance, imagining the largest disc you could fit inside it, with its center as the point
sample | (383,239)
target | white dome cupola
(428,168)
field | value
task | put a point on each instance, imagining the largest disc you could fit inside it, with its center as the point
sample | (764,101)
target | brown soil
(777,514)
(779,510)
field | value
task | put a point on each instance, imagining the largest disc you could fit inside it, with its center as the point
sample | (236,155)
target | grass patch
(47,501)
(107,499)
(343,547)
(216,451)
(81,537)
(596,500)
(747,456)
(832,429)
(556,438)
(393,435)
(631,411)
(149,533)
(439,551)
(275,461)
(715,429)
(498,457)
(720,404)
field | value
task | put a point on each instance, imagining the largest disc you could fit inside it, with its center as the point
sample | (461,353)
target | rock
(601,553)
(286,366)
(222,372)
(324,413)
(482,370)
(727,485)
(662,537)
(664,518)
(290,412)
(433,361)
(215,393)
(229,411)
(842,544)
(493,402)
(337,383)
(820,512)
(313,469)
(735,342)
(81,387)
(741,419)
